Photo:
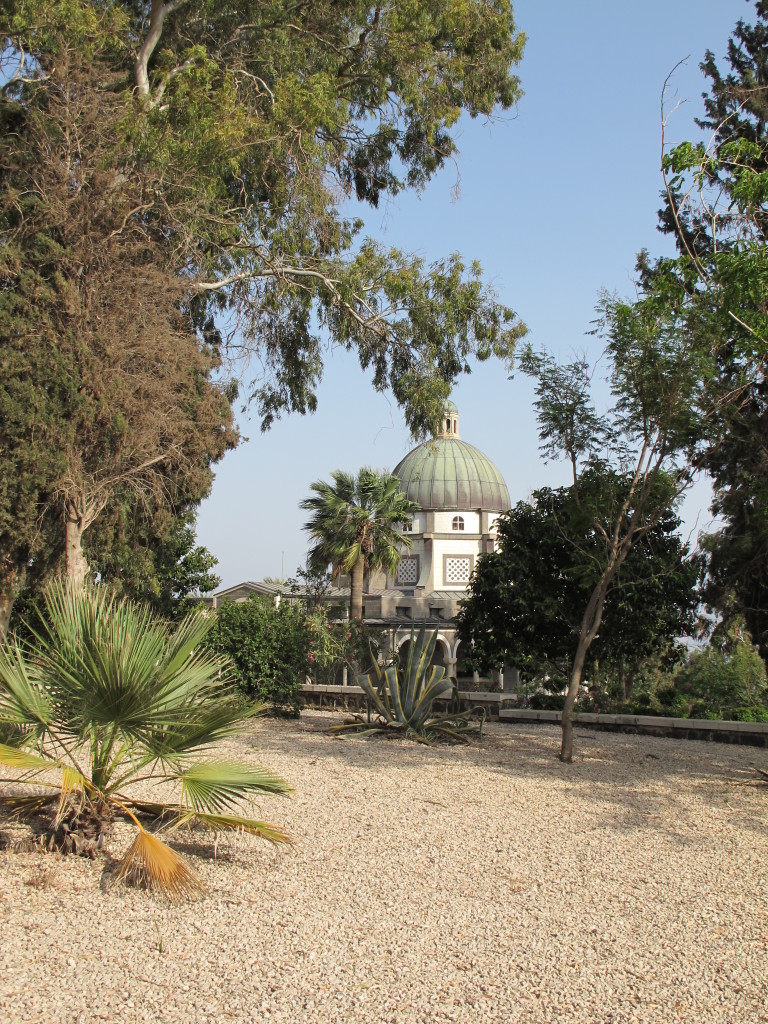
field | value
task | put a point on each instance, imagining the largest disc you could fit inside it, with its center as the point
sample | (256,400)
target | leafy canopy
(716,208)
(526,599)
(250,124)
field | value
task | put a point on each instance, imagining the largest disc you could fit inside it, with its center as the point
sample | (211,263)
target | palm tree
(354,526)
(107,696)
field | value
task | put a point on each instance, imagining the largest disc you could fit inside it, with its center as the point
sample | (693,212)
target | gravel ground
(486,884)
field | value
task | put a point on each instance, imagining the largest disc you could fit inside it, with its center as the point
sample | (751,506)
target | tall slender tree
(716,208)
(354,526)
(648,439)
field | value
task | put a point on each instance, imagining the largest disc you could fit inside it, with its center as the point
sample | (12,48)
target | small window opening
(458,523)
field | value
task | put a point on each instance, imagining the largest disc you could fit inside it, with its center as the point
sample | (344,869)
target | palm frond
(235,823)
(71,781)
(216,787)
(14,757)
(214,715)
(152,864)
(23,699)
(21,804)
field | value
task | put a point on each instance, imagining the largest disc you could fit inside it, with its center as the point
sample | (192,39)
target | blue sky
(554,199)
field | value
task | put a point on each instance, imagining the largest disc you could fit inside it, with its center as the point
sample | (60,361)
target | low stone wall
(752,733)
(498,705)
(353,697)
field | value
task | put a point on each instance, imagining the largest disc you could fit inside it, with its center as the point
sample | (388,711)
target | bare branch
(159,13)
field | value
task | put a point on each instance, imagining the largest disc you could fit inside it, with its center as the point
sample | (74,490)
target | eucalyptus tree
(208,148)
(250,123)
(354,526)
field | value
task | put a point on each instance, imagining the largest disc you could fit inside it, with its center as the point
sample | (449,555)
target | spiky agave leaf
(218,787)
(432,687)
(152,864)
(377,696)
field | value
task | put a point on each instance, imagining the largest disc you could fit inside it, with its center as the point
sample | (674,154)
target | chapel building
(460,494)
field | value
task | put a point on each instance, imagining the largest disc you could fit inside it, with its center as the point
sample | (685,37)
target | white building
(460,494)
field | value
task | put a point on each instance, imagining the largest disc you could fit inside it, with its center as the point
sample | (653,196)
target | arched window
(458,523)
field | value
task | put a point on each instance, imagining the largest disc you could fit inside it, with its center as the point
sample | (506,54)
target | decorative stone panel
(408,571)
(457,569)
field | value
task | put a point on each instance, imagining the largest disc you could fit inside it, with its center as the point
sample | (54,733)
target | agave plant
(106,697)
(404,698)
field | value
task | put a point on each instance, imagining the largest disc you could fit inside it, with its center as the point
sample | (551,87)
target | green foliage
(725,680)
(206,149)
(247,132)
(155,562)
(526,600)
(403,697)
(354,526)
(339,644)
(106,695)
(110,408)
(716,208)
(268,648)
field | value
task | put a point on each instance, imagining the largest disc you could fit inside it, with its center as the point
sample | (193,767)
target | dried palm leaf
(151,864)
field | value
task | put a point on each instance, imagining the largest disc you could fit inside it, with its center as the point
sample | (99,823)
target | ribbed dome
(447,473)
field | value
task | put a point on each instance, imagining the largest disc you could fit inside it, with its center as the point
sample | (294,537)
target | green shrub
(268,647)
(721,679)
(754,714)
(547,701)
(339,644)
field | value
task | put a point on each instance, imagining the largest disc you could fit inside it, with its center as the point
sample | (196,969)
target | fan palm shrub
(404,696)
(106,696)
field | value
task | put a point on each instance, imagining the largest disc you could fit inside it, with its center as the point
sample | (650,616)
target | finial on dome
(450,426)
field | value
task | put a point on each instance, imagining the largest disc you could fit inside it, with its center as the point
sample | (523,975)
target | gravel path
(489,884)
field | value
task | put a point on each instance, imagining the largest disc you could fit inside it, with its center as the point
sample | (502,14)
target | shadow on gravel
(649,781)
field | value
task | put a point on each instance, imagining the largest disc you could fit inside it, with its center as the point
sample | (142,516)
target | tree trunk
(75,560)
(6,604)
(356,590)
(627,682)
(590,624)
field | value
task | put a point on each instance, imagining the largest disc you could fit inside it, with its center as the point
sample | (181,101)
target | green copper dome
(448,473)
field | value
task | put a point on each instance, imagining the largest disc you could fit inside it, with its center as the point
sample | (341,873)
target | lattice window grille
(457,570)
(408,570)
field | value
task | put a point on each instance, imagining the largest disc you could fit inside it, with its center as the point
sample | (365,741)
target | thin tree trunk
(6,604)
(589,626)
(356,590)
(75,560)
